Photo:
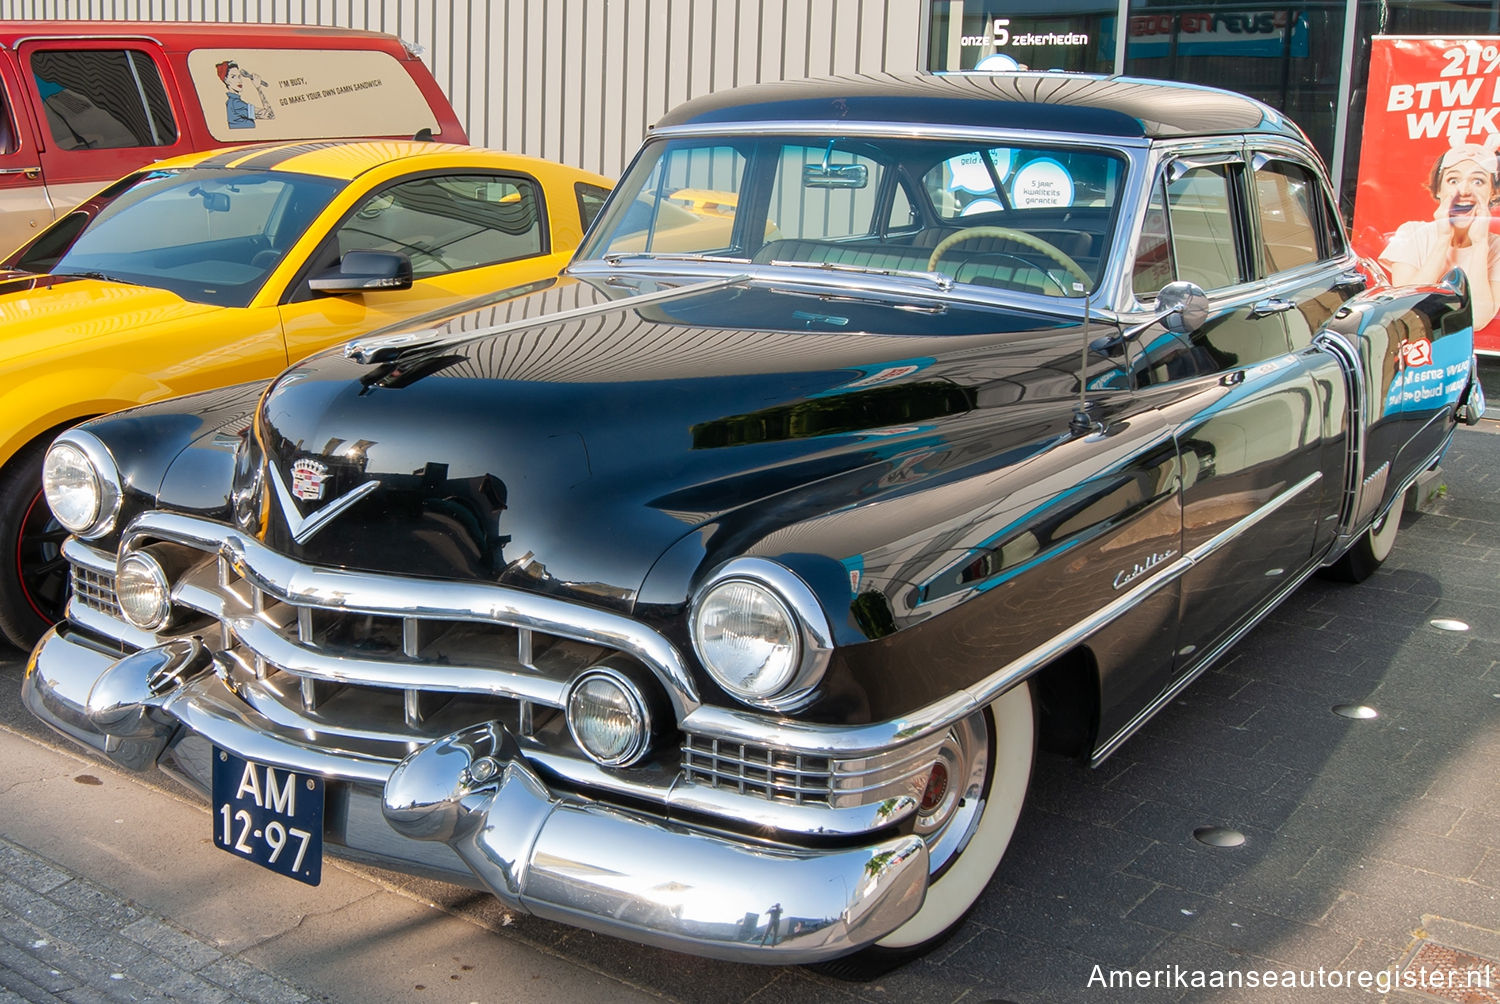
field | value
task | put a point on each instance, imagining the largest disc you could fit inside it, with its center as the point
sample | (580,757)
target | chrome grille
(375,664)
(756,770)
(95,590)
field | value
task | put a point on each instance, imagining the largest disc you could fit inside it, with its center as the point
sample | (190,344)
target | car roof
(348,159)
(189,34)
(1122,107)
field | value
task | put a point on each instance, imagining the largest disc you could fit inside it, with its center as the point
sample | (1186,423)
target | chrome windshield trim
(297,584)
(859,284)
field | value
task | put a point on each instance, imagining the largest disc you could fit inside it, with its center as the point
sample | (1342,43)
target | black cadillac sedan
(718,593)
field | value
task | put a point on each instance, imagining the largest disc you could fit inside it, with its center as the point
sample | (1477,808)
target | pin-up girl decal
(241,112)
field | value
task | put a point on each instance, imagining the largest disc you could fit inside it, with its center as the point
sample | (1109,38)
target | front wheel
(967,816)
(33,572)
(1369,552)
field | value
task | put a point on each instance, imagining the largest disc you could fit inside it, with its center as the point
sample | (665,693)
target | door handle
(30,172)
(1274,305)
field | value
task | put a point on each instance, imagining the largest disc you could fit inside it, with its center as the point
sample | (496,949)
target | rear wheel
(1369,552)
(33,573)
(967,817)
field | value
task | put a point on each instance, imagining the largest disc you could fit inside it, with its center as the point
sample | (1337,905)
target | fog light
(609,718)
(142,589)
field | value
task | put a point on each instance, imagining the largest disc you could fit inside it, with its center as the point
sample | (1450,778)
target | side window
(99,99)
(1288,195)
(1153,253)
(7,132)
(449,223)
(590,201)
(903,213)
(1200,219)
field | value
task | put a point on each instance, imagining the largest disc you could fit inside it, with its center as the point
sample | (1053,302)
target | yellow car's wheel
(33,574)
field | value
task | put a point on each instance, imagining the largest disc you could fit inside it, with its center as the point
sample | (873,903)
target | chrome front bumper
(614,870)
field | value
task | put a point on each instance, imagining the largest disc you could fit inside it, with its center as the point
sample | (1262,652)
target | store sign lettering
(1000,35)
(1210,22)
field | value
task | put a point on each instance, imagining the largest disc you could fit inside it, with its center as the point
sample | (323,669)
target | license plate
(270,815)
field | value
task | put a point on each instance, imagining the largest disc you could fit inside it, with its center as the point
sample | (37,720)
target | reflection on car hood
(567,455)
(45,313)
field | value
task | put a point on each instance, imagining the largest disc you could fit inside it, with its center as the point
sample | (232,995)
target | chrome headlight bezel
(156,575)
(639,707)
(107,484)
(807,623)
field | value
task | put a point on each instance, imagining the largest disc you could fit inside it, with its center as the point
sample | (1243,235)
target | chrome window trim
(905,130)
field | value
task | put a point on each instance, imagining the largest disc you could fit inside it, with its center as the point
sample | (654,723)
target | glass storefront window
(1288,57)
(1003,35)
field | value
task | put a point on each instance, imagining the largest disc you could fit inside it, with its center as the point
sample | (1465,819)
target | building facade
(581,80)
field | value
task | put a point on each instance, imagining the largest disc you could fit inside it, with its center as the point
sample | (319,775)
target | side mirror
(1182,307)
(361,270)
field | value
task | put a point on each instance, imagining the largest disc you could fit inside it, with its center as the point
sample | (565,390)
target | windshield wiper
(102,277)
(935,279)
(621,257)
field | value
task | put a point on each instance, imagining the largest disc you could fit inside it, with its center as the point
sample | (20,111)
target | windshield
(208,236)
(1038,219)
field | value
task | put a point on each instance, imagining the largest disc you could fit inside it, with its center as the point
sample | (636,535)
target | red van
(83,103)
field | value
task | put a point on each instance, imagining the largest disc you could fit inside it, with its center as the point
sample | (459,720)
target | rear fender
(1402,353)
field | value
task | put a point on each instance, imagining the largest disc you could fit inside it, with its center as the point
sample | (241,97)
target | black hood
(567,455)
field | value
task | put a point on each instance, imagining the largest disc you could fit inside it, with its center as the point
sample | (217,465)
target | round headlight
(72,487)
(81,484)
(609,718)
(142,589)
(747,638)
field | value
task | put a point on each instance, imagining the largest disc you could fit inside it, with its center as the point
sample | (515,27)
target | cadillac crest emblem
(308,479)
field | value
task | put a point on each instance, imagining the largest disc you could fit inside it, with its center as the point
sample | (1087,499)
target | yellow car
(226,266)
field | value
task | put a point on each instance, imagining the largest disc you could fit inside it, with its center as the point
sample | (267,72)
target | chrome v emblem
(303,527)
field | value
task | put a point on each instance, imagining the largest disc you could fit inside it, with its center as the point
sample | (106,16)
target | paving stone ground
(66,938)
(1365,840)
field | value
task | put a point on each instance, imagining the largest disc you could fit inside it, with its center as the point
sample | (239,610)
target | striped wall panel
(578,80)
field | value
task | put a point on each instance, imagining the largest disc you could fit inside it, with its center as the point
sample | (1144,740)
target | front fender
(179,452)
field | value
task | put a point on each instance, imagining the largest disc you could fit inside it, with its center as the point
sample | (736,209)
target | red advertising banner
(1429,178)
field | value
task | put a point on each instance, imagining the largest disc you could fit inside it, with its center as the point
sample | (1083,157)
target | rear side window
(590,201)
(101,99)
(1290,223)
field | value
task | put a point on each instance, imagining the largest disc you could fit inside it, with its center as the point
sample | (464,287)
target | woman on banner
(1466,182)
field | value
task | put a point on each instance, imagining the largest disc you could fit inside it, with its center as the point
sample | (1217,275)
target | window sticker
(1042,183)
(273,94)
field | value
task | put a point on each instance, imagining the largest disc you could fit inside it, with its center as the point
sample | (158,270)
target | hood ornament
(309,480)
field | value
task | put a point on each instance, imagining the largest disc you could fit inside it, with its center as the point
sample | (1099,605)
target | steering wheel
(1020,237)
